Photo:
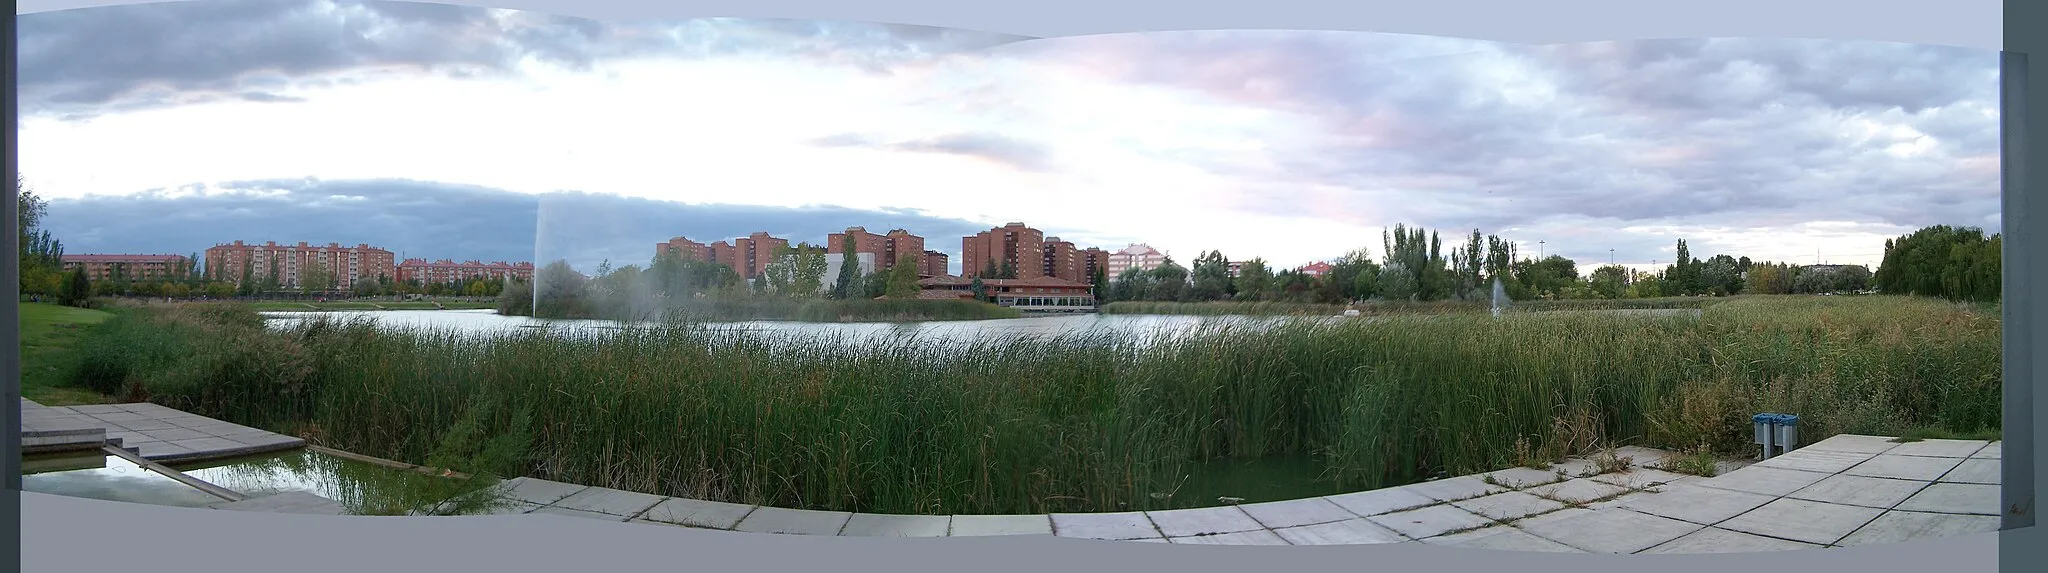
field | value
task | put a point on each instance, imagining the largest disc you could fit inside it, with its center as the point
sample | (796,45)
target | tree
(1007,271)
(903,278)
(1101,284)
(41,255)
(1211,276)
(849,269)
(979,289)
(1254,281)
(1169,281)
(807,271)
(992,271)
(1133,284)
(1958,263)
(77,289)
(314,276)
(1397,282)
(876,284)
(1609,281)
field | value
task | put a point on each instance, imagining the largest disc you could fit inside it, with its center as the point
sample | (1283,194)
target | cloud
(1694,133)
(1001,149)
(441,220)
(82,62)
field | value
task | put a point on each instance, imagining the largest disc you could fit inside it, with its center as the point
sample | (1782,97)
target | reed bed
(1077,422)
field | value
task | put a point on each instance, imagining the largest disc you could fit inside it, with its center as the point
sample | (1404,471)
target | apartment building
(446,271)
(291,263)
(132,267)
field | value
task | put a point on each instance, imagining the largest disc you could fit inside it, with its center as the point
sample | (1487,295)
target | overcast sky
(454,132)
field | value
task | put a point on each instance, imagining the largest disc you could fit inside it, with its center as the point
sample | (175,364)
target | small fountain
(1500,297)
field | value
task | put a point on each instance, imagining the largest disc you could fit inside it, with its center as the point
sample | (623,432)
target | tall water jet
(1500,297)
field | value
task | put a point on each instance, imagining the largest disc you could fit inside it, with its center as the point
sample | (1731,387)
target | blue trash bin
(1787,432)
(1766,431)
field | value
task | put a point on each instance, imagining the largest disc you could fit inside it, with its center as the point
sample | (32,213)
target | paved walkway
(1846,490)
(157,433)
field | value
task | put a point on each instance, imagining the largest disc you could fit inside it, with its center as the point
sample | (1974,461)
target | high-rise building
(291,263)
(935,264)
(887,248)
(447,271)
(1137,255)
(1062,261)
(132,267)
(747,256)
(1013,246)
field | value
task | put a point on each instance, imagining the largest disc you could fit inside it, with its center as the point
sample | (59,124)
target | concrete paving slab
(1578,491)
(885,525)
(576,513)
(1613,531)
(1502,539)
(1113,526)
(794,521)
(120,416)
(1576,466)
(1801,520)
(1639,456)
(1976,470)
(1566,513)
(1147,540)
(1853,443)
(1257,537)
(161,450)
(217,446)
(1717,540)
(1939,448)
(1636,478)
(1994,451)
(1905,467)
(1380,501)
(267,441)
(139,425)
(1970,498)
(1847,489)
(1508,505)
(1453,489)
(538,491)
(174,434)
(1895,526)
(1768,481)
(1358,531)
(94,409)
(1204,521)
(610,501)
(1823,461)
(1430,521)
(982,525)
(1519,478)
(1291,513)
(219,429)
(697,513)
(289,502)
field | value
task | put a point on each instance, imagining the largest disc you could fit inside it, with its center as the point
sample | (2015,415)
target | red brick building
(133,267)
(346,265)
(887,248)
(1014,244)
(748,256)
(935,264)
(446,271)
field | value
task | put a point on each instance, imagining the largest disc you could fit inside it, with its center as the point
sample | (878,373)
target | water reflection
(99,476)
(362,488)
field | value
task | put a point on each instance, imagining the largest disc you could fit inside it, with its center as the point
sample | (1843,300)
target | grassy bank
(48,334)
(1075,423)
(1380,307)
(822,310)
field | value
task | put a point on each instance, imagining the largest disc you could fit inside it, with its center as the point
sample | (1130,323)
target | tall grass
(1392,307)
(1088,422)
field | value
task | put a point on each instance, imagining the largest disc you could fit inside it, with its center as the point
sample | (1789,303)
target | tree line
(1416,266)
(674,279)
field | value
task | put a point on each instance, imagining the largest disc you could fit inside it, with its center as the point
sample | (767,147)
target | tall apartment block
(446,271)
(134,267)
(748,256)
(887,248)
(1138,255)
(228,261)
(1013,244)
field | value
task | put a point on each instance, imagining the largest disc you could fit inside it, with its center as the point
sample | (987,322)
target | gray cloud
(441,220)
(1016,153)
(1743,133)
(77,63)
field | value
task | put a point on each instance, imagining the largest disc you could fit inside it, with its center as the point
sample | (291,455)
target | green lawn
(47,333)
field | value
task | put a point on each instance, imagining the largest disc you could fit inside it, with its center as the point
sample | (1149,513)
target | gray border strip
(2021,541)
(87,521)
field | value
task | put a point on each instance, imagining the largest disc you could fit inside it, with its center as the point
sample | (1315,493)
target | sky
(440,131)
